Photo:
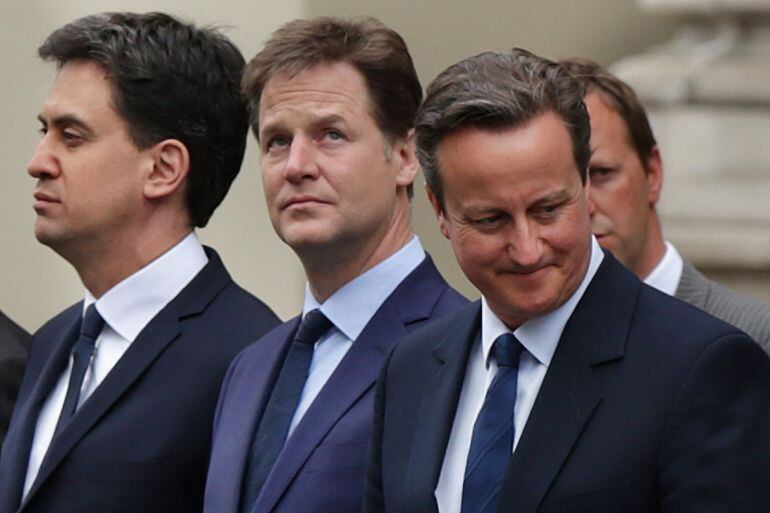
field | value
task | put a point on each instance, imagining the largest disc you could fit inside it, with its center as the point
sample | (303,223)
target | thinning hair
(621,97)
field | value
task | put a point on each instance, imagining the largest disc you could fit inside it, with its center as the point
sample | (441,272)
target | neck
(329,269)
(115,258)
(654,249)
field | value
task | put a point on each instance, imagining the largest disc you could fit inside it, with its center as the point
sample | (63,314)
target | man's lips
(44,196)
(527,272)
(302,201)
(43,200)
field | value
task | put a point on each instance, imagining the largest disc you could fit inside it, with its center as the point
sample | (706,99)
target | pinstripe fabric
(748,314)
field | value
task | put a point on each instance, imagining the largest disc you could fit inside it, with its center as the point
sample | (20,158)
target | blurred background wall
(35,283)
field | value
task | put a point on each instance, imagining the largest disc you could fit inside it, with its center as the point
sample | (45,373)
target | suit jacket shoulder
(14,342)
(750,315)
(647,402)
(140,442)
(321,466)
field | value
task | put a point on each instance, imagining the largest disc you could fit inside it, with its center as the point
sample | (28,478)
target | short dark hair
(171,80)
(621,97)
(374,50)
(495,91)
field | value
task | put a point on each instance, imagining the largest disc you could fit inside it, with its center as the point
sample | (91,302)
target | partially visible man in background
(626,172)
(332,105)
(143,133)
(14,344)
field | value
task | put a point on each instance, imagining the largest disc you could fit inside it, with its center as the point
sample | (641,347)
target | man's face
(87,168)
(331,179)
(516,213)
(622,191)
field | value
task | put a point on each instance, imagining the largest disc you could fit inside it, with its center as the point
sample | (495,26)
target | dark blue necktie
(274,427)
(90,327)
(492,440)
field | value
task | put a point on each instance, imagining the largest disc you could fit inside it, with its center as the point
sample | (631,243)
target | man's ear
(171,164)
(443,223)
(654,175)
(406,151)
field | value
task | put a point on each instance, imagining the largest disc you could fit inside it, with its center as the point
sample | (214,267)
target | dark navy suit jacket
(14,344)
(649,405)
(140,442)
(321,468)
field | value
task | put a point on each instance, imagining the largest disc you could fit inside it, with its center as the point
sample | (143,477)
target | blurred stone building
(708,94)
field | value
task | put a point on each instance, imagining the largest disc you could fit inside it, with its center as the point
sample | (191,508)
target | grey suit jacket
(14,343)
(748,314)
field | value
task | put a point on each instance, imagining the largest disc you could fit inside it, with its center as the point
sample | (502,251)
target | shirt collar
(540,335)
(352,306)
(131,304)
(666,275)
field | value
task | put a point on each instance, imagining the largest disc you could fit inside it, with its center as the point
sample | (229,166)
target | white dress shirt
(126,309)
(666,275)
(539,336)
(350,309)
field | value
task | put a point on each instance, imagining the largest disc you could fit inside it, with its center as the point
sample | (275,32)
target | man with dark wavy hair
(571,386)
(143,132)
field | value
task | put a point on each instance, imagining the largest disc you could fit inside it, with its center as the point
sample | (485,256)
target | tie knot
(507,350)
(92,323)
(312,327)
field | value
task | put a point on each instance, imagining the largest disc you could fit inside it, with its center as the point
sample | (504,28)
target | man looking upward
(332,105)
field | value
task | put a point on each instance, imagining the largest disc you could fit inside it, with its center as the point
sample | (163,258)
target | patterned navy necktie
(276,419)
(492,441)
(90,327)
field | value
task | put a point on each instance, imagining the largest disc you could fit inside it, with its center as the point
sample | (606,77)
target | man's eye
(277,142)
(71,138)
(487,221)
(547,212)
(599,174)
(550,209)
(334,135)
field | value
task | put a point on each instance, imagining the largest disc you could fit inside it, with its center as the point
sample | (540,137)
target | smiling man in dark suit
(143,133)
(332,105)
(571,386)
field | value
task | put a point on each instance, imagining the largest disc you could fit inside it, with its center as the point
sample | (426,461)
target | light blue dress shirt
(350,309)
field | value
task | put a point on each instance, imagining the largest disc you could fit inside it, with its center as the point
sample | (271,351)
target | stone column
(707,91)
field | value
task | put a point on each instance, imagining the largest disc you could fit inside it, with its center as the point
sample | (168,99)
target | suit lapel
(150,344)
(354,375)
(448,362)
(236,430)
(595,334)
(19,441)
(412,301)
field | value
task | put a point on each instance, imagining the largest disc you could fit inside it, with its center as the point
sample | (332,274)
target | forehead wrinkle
(288,94)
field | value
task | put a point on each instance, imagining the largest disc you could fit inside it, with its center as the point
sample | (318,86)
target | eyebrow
(554,197)
(67,120)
